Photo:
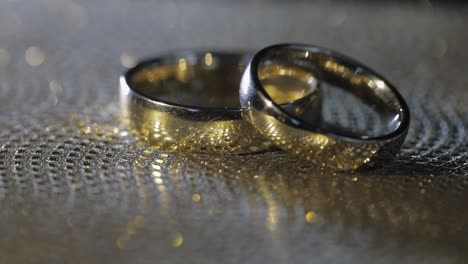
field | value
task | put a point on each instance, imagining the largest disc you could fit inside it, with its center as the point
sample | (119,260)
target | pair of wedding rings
(232,103)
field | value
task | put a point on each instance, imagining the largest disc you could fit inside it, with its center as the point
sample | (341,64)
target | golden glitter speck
(176,240)
(208,59)
(182,64)
(128,61)
(131,230)
(34,56)
(310,217)
(158,181)
(196,198)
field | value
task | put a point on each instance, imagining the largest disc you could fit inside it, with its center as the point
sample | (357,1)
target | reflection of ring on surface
(311,139)
(189,101)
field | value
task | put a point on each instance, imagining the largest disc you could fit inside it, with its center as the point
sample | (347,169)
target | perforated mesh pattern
(77,188)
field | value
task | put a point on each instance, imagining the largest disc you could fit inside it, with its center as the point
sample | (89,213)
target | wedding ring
(188,101)
(310,138)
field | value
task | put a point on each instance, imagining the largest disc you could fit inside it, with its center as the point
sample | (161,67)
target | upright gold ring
(188,101)
(308,137)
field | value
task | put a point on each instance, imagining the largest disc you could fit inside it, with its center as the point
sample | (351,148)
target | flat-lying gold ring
(188,101)
(325,146)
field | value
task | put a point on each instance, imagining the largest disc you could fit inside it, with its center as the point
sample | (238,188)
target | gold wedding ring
(305,135)
(188,101)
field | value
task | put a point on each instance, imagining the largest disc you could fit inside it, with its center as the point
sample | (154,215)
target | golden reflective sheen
(308,136)
(166,131)
(285,83)
(75,187)
(320,149)
(190,103)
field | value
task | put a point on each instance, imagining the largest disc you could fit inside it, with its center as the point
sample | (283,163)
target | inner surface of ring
(373,94)
(203,79)
(210,80)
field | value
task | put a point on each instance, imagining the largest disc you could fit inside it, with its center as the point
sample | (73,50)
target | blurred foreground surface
(77,188)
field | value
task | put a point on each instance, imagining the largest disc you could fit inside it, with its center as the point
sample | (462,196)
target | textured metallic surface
(76,188)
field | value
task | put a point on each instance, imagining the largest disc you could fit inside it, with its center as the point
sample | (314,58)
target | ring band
(188,101)
(309,138)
